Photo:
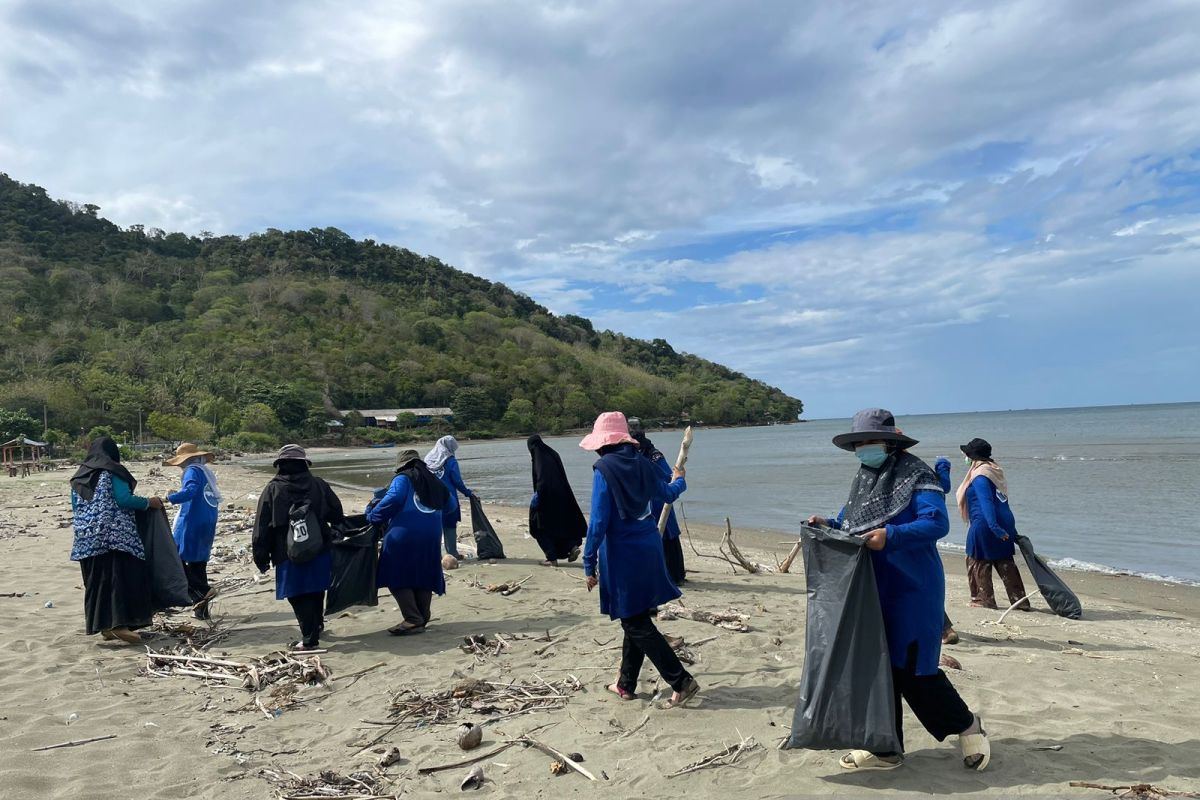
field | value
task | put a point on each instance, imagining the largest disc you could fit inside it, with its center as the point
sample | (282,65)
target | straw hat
(610,428)
(184,452)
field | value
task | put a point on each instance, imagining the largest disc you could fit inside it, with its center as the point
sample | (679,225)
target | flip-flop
(688,693)
(621,693)
(548,563)
(866,761)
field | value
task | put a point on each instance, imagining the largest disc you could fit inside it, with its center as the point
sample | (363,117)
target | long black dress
(556,521)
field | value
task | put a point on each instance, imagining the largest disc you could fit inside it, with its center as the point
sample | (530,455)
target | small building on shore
(386,417)
(22,455)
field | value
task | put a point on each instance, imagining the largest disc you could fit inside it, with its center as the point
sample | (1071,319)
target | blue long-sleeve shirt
(451,477)
(993,530)
(196,524)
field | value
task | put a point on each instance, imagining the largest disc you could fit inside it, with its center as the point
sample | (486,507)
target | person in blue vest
(897,504)
(410,563)
(196,523)
(983,504)
(672,548)
(442,463)
(624,556)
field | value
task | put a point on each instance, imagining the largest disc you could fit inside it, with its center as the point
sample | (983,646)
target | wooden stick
(194,659)
(550,751)
(468,762)
(791,556)
(734,552)
(1010,608)
(360,672)
(680,462)
(75,743)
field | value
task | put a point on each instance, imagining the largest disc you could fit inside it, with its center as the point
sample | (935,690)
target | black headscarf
(630,477)
(102,456)
(556,523)
(431,492)
(549,476)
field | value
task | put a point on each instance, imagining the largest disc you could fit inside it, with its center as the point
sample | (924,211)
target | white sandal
(865,760)
(975,747)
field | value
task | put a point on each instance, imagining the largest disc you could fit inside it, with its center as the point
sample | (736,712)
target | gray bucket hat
(873,424)
(291,452)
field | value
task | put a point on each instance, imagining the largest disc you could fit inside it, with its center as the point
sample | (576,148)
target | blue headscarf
(631,479)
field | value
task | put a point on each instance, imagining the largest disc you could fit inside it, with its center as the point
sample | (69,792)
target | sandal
(301,647)
(621,693)
(866,761)
(126,635)
(686,693)
(406,630)
(548,563)
(573,556)
(975,747)
(108,636)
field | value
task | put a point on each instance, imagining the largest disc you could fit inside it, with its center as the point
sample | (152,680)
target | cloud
(877,176)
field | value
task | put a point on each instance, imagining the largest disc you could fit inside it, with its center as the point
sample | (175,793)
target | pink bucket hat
(610,428)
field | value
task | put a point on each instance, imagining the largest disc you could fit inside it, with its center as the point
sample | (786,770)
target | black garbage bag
(168,581)
(846,699)
(355,565)
(1058,595)
(487,543)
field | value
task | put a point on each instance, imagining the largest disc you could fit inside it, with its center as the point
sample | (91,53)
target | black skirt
(116,592)
(673,553)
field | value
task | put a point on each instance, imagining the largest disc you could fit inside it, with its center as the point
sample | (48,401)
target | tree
(176,428)
(520,417)
(220,413)
(259,418)
(17,423)
(472,408)
(578,408)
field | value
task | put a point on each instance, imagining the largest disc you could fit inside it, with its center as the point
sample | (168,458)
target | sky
(962,206)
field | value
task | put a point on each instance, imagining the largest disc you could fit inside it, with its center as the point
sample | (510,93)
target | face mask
(967,460)
(871,455)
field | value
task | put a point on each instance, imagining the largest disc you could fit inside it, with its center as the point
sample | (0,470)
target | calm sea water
(1110,489)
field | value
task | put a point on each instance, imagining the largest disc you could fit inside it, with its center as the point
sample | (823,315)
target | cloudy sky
(968,206)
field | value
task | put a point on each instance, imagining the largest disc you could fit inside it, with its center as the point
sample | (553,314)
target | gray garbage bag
(487,543)
(168,581)
(1058,595)
(355,565)
(846,699)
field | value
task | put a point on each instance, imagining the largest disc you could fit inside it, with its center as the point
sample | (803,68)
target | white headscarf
(212,495)
(441,452)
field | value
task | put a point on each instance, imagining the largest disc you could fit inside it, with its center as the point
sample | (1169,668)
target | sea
(1110,489)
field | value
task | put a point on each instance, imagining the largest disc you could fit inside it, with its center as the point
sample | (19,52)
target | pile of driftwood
(505,589)
(483,697)
(727,756)
(194,637)
(729,619)
(328,785)
(683,649)
(284,673)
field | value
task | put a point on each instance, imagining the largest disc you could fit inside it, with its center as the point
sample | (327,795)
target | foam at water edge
(1076,565)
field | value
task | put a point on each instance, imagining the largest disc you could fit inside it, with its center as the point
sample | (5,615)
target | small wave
(953,547)
(1087,566)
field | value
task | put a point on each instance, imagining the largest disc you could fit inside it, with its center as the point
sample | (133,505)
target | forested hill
(208,336)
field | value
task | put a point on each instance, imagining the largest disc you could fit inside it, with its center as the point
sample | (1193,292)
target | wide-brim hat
(183,453)
(977,450)
(870,425)
(291,452)
(611,427)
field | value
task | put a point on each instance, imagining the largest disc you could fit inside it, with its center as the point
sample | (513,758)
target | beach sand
(1105,699)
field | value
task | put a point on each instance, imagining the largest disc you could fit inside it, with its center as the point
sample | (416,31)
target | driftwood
(469,761)
(730,619)
(484,697)
(1137,791)
(286,672)
(727,756)
(791,556)
(74,743)
(684,651)
(328,785)
(734,556)
(505,589)
(563,758)
(680,462)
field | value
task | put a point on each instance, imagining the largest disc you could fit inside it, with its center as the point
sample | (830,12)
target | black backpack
(304,539)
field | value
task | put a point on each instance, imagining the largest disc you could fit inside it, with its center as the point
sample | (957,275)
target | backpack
(304,539)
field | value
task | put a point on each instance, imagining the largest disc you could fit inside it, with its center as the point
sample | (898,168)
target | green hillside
(203,337)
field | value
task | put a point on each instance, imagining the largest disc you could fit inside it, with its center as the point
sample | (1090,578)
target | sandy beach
(1104,699)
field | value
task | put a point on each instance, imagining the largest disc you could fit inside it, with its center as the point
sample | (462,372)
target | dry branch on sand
(484,697)
(729,619)
(287,673)
(1137,791)
(328,785)
(727,756)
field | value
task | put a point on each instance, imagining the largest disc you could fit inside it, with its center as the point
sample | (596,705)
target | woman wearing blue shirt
(196,523)
(442,463)
(897,504)
(624,547)
(983,503)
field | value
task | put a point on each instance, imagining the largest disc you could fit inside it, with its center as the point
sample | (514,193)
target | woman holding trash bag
(410,563)
(623,543)
(442,463)
(983,503)
(555,521)
(301,583)
(897,505)
(672,549)
(196,523)
(110,551)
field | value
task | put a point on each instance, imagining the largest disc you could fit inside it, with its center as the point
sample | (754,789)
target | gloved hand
(942,464)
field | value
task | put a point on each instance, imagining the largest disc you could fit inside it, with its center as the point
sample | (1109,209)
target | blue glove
(942,464)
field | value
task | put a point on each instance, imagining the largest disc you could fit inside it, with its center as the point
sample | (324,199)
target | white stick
(684,446)
(1010,608)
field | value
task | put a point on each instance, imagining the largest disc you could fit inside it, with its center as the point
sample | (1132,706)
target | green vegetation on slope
(203,337)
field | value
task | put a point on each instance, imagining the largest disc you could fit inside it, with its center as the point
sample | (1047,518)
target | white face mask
(967,460)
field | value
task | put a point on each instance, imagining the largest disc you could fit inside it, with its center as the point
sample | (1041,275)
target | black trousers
(415,605)
(946,623)
(673,553)
(933,699)
(310,613)
(197,578)
(642,641)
